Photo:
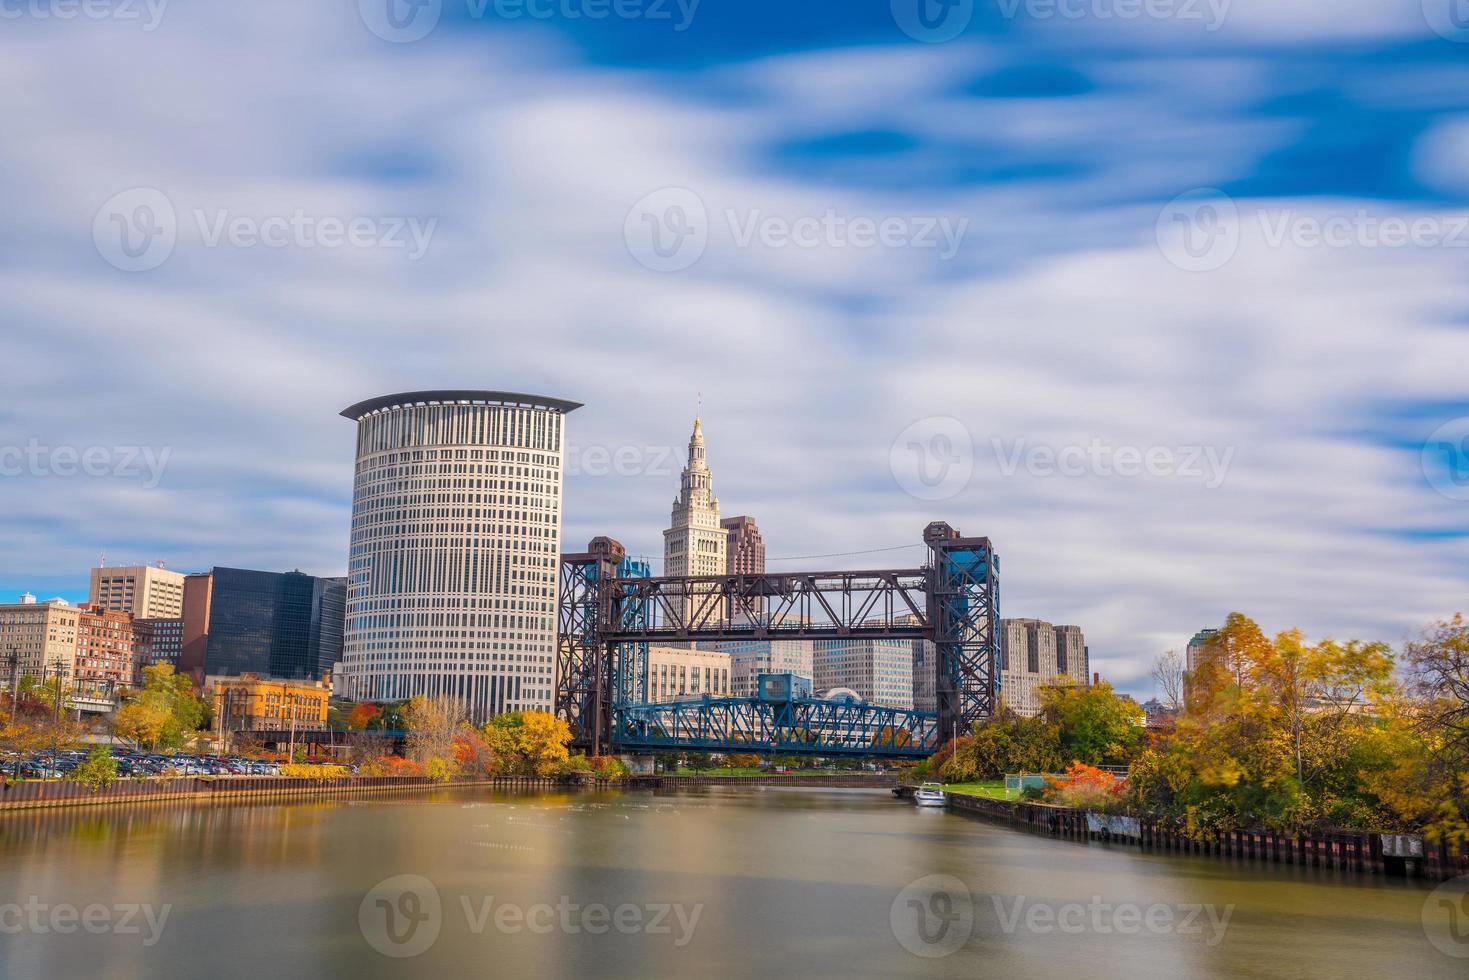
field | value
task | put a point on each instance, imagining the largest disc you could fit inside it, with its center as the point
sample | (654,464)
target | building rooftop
(452,396)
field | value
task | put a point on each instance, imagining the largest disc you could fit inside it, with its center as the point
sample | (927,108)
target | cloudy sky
(1167,299)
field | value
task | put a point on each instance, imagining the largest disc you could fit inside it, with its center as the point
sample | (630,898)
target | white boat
(930,794)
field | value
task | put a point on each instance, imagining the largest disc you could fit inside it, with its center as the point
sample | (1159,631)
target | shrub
(1088,787)
(98,770)
(304,771)
(438,769)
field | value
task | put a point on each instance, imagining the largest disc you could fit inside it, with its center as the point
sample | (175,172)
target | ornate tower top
(695,491)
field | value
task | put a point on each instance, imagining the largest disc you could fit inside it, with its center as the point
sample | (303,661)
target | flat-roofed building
(675,673)
(106,650)
(41,635)
(251,703)
(145,591)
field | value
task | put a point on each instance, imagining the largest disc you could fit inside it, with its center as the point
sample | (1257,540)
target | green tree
(1097,726)
(164,713)
(98,769)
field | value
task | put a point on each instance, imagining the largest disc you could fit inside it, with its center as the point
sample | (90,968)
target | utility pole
(14,659)
(60,665)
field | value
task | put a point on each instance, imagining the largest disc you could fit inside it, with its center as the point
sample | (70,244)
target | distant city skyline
(1152,441)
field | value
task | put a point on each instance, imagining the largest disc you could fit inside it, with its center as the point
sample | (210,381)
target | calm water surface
(722,882)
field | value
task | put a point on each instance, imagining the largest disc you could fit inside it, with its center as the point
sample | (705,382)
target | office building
(675,673)
(106,657)
(750,658)
(455,549)
(879,671)
(42,636)
(158,641)
(744,552)
(273,624)
(1033,652)
(145,591)
(1197,647)
(251,703)
(695,542)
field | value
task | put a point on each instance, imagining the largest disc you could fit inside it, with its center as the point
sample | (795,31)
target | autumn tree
(531,742)
(432,723)
(1097,726)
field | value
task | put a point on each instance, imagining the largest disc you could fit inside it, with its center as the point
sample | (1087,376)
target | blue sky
(1230,232)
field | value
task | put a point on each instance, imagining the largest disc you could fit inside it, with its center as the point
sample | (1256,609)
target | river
(711,882)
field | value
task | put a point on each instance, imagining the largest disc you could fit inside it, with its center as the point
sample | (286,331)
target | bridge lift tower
(610,609)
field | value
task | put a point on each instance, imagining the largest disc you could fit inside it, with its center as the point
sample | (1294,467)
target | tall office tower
(456,541)
(744,554)
(160,641)
(271,624)
(877,671)
(1071,658)
(146,591)
(1030,663)
(695,543)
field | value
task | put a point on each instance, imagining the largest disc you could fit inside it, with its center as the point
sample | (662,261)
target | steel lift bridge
(610,610)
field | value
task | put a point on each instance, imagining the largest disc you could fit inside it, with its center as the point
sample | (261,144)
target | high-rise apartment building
(41,635)
(274,624)
(455,549)
(675,673)
(695,543)
(145,591)
(1033,652)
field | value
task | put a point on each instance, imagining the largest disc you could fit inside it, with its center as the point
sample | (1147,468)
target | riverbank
(32,794)
(1358,851)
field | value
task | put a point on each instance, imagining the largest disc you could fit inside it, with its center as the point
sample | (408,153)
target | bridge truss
(609,611)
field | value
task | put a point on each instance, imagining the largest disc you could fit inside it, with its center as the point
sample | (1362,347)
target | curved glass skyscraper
(456,539)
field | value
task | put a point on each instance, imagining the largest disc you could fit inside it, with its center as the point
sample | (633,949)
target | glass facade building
(274,624)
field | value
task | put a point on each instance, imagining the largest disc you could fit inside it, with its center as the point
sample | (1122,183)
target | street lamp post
(60,666)
(13,658)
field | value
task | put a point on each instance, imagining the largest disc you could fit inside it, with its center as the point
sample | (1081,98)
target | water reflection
(705,882)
